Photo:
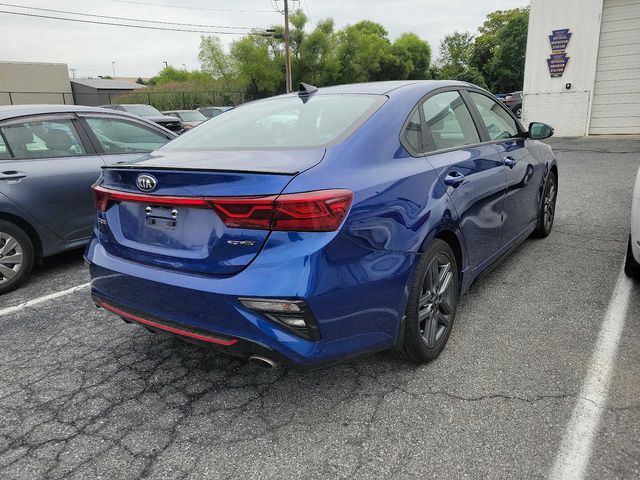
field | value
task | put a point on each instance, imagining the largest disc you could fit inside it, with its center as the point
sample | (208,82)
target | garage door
(616,98)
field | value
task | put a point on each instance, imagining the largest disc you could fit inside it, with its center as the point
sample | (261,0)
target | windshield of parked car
(282,122)
(193,116)
(142,110)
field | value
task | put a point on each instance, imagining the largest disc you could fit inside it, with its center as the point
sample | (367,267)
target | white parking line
(46,298)
(577,444)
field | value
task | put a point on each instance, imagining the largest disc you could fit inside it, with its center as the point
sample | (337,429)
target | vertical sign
(558,60)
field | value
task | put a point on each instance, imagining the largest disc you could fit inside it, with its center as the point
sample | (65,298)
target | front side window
(449,121)
(43,139)
(121,136)
(282,122)
(499,123)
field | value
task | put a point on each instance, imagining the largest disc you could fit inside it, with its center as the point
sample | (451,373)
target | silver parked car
(50,155)
(211,112)
(190,118)
(632,263)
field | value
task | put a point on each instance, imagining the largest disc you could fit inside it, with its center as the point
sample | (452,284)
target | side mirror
(539,131)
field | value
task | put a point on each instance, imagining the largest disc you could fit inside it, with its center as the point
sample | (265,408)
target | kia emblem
(146,182)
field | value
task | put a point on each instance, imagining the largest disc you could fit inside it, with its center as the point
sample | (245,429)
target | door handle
(454,179)
(12,175)
(510,162)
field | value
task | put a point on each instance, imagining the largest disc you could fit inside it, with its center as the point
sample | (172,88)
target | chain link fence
(178,100)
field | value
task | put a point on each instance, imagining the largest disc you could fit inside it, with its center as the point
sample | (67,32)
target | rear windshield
(282,122)
(191,116)
(142,110)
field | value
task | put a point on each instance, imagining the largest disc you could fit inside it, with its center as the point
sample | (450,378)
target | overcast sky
(90,49)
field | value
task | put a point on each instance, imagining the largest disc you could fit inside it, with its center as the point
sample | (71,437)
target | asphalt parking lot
(84,395)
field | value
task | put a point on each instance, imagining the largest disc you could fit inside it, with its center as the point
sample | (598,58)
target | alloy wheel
(11,257)
(549,207)
(436,302)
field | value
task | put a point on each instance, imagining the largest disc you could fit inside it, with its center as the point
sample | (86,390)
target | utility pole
(287,42)
(113,66)
(73,72)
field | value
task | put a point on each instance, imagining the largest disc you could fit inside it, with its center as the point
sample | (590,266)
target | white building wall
(545,98)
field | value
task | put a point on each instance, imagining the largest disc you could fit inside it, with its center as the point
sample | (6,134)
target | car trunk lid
(172,226)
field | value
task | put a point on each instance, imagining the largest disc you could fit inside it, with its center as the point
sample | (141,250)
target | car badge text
(146,183)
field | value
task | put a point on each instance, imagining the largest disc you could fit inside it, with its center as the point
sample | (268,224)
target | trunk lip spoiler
(195,169)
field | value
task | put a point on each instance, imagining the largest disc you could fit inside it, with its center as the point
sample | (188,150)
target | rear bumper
(230,346)
(356,295)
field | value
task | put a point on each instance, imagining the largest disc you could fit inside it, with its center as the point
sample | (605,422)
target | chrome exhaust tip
(262,362)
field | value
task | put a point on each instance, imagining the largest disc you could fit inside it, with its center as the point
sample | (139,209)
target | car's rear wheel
(631,267)
(431,308)
(548,207)
(16,256)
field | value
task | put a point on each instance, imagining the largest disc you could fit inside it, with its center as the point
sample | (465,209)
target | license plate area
(161,223)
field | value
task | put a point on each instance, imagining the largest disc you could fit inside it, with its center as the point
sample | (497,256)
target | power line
(123,18)
(95,22)
(191,8)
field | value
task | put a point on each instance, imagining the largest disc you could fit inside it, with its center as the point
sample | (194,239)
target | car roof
(388,87)
(10,111)
(7,112)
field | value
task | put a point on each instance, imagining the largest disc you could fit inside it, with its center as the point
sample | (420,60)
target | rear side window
(43,139)
(284,122)
(498,122)
(449,121)
(413,133)
(121,136)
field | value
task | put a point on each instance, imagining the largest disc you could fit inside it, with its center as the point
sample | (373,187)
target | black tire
(417,345)
(547,212)
(631,267)
(23,245)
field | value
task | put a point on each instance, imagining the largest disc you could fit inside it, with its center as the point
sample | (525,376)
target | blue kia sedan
(353,227)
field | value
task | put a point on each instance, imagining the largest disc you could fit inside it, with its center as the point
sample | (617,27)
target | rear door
(522,168)
(50,171)
(118,139)
(473,172)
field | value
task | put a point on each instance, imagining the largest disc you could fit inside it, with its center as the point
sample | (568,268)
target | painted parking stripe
(577,444)
(46,298)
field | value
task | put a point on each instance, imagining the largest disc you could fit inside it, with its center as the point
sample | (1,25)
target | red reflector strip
(198,202)
(177,331)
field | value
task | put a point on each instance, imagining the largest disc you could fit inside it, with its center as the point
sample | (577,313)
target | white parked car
(632,264)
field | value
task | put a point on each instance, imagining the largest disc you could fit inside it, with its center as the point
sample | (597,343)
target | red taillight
(321,211)
(244,212)
(317,211)
(100,198)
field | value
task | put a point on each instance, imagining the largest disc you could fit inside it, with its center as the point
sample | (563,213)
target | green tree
(415,53)
(171,75)
(318,62)
(456,51)
(214,60)
(260,68)
(499,49)
(364,52)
